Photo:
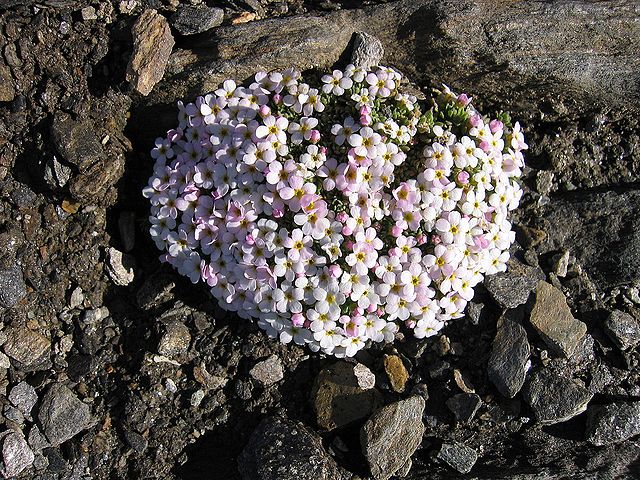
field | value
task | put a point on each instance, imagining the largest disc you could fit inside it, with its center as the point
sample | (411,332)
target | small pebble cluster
(336,211)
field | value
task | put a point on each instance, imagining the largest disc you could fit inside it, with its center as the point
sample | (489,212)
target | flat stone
(282,449)
(24,397)
(464,406)
(28,347)
(338,399)
(507,367)
(56,174)
(365,377)
(554,398)
(458,456)
(7,89)
(552,319)
(155,290)
(391,435)
(513,287)
(268,371)
(396,372)
(76,141)
(62,414)
(12,286)
(175,339)
(189,20)
(120,267)
(152,45)
(91,185)
(613,423)
(16,454)
(623,329)
(367,51)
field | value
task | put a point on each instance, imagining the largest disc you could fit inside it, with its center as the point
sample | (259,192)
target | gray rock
(561,263)
(513,287)
(391,435)
(367,51)
(136,441)
(175,339)
(77,298)
(155,291)
(24,397)
(554,398)
(189,20)
(94,315)
(458,456)
(30,348)
(56,174)
(120,267)
(366,378)
(76,141)
(4,361)
(37,440)
(7,89)
(88,13)
(464,406)
(16,455)
(552,319)
(12,286)
(623,329)
(268,371)
(508,362)
(338,399)
(152,45)
(127,229)
(281,449)
(62,414)
(614,423)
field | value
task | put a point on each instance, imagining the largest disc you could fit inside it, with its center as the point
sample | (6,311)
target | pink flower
(463,177)
(463,100)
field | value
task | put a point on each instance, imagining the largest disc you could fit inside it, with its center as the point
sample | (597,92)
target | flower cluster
(338,212)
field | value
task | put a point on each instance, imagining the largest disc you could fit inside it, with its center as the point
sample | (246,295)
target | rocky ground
(113,366)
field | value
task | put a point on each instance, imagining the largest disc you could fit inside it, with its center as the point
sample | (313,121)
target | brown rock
(396,371)
(28,347)
(7,90)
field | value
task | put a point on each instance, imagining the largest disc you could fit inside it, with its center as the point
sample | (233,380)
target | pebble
(28,347)
(268,371)
(24,397)
(196,398)
(120,267)
(396,372)
(152,45)
(136,441)
(12,286)
(16,454)
(76,141)
(464,406)
(391,435)
(513,287)
(56,174)
(88,13)
(77,298)
(458,456)
(95,315)
(366,378)
(175,339)
(561,264)
(190,20)
(7,89)
(623,329)
(62,414)
(613,423)
(552,319)
(367,51)
(509,358)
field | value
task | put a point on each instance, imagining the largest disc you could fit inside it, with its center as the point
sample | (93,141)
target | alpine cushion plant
(336,212)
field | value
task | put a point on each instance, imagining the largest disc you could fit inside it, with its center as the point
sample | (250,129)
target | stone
(268,371)
(24,397)
(7,88)
(76,141)
(458,456)
(88,13)
(77,298)
(561,263)
(509,359)
(464,406)
(155,290)
(12,286)
(136,441)
(367,51)
(197,397)
(127,229)
(16,455)
(91,186)
(28,347)
(4,361)
(94,315)
(337,398)
(175,340)
(56,174)
(37,440)
(552,319)
(120,267)
(623,329)
(613,423)
(513,287)
(189,20)
(554,398)
(62,414)
(152,45)
(366,378)
(283,449)
(391,435)
(396,372)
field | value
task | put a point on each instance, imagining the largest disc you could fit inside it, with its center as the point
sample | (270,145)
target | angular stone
(76,141)
(12,286)
(552,319)
(507,367)
(396,372)
(155,290)
(338,399)
(464,406)
(24,397)
(365,377)
(554,398)
(16,454)
(513,287)
(62,414)
(391,435)
(367,51)
(175,340)
(7,90)
(623,329)
(614,423)
(189,20)
(56,174)
(268,371)
(28,347)
(458,456)
(281,449)
(90,186)
(152,45)
(120,267)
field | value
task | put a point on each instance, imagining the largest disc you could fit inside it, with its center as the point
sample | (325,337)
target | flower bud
(496,125)
(463,100)
(365,120)
(396,231)
(297,319)
(335,271)
(463,177)
(315,136)
(277,98)
(475,120)
(264,111)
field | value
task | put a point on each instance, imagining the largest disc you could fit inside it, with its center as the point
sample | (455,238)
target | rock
(391,435)
(458,456)
(396,372)
(7,89)
(31,349)
(513,287)
(91,186)
(120,267)
(136,441)
(4,361)
(561,263)
(37,441)
(175,339)
(554,398)
(12,286)
(155,291)
(152,44)
(88,13)
(62,415)
(623,329)
(24,397)
(268,371)
(366,378)
(508,362)
(76,141)
(127,229)
(16,455)
(282,449)
(56,174)
(197,397)
(464,406)
(338,399)
(367,51)
(614,423)
(552,319)
(189,20)
(77,298)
